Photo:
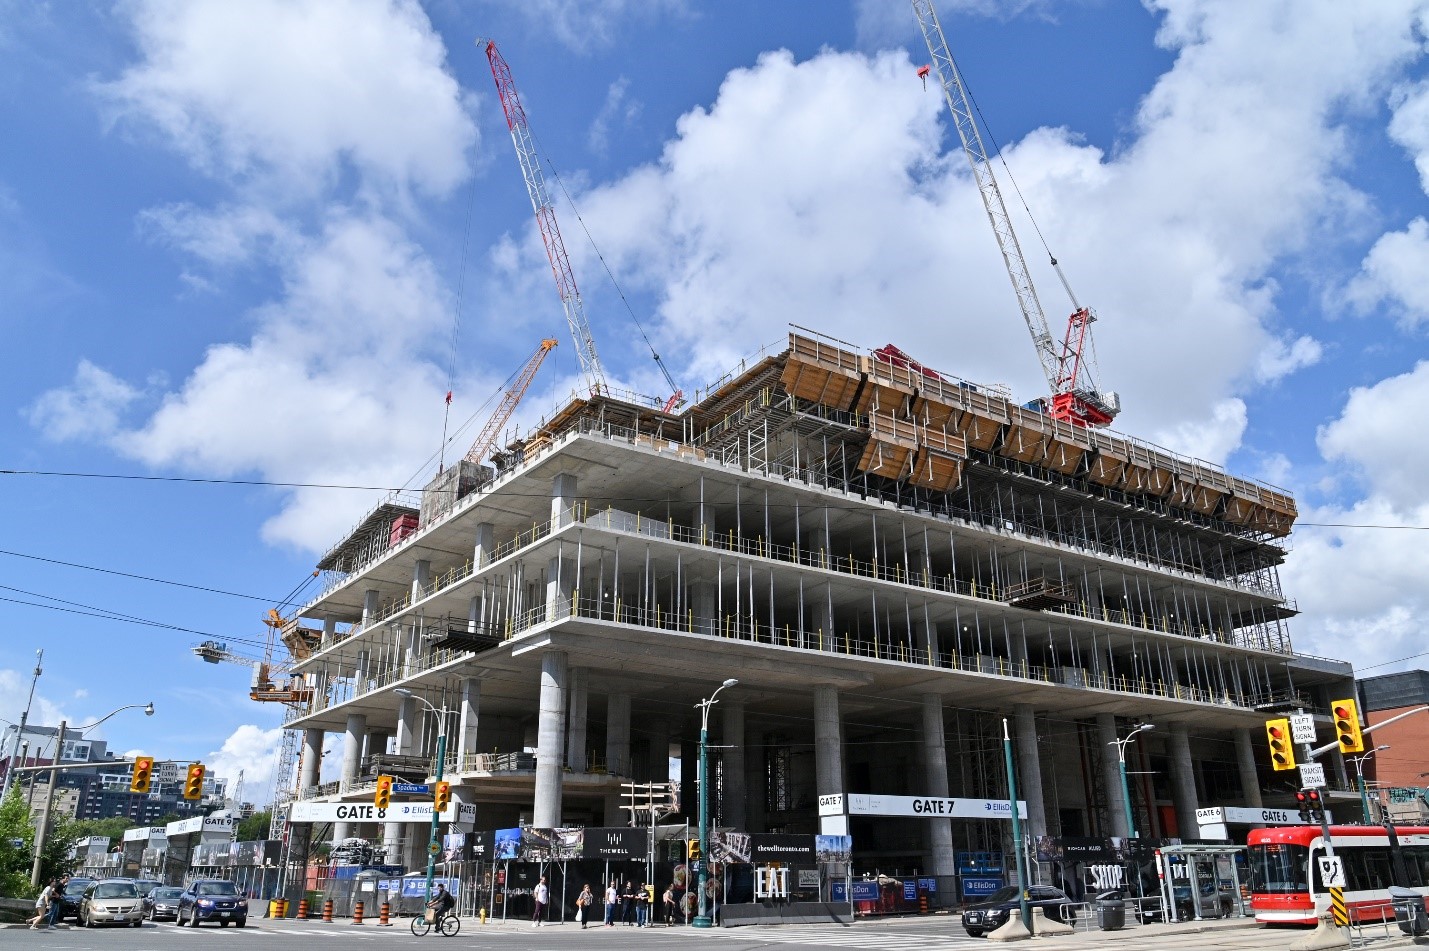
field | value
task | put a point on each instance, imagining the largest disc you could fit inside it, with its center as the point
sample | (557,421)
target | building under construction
(893,562)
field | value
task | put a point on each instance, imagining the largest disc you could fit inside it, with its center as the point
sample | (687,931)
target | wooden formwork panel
(902,378)
(934,414)
(1192,494)
(1147,480)
(980,431)
(1272,522)
(879,396)
(1023,442)
(936,470)
(1107,468)
(939,440)
(888,459)
(1065,457)
(1238,510)
(820,383)
(886,428)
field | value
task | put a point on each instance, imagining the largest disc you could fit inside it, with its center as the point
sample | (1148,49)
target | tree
(111,828)
(255,827)
(17,846)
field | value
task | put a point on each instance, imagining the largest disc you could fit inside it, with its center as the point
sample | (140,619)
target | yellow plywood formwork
(1108,466)
(939,461)
(1069,446)
(889,453)
(890,388)
(1027,435)
(821,372)
(1146,472)
(1276,513)
(1241,503)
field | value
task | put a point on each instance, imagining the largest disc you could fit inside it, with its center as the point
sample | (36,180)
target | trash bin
(1111,914)
(1409,912)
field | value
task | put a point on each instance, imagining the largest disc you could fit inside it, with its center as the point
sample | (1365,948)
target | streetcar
(1286,885)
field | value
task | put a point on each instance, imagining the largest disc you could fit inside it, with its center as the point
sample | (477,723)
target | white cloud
(583,25)
(1282,357)
(253,751)
(1376,438)
(1394,273)
(281,93)
(1410,125)
(616,114)
(87,408)
(1211,438)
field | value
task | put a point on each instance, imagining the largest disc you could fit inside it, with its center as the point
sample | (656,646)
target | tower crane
(482,446)
(1074,395)
(546,219)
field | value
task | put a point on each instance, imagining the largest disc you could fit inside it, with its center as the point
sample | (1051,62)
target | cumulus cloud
(1393,273)
(282,93)
(89,407)
(1371,438)
(1410,125)
(253,751)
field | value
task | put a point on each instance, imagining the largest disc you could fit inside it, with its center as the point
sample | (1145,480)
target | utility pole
(24,716)
(43,827)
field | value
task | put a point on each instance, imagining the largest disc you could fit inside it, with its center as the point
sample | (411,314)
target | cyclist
(441,903)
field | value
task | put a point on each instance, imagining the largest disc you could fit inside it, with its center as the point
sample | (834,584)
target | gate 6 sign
(1332,871)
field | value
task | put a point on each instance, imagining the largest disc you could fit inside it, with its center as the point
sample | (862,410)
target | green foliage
(17,847)
(111,828)
(255,827)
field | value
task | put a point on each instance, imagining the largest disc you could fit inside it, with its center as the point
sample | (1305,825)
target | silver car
(115,901)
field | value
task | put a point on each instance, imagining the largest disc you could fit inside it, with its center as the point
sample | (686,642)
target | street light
(1121,765)
(1359,778)
(44,824)
(441,716)
(703,919)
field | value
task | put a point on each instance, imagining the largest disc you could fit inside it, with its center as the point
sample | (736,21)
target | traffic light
(1282,751)
(1347,726)
(1312,805)
(1302,801)
(193,783)
(382,797)
(441,796)
(142,775)
(692,849)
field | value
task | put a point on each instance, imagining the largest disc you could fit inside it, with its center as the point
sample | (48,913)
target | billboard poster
(732,847)
(544,845)
(618,843)
(833,848)
(508,845)
(779,847)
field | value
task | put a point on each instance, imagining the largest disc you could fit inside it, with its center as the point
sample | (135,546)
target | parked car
(69,901)
(147,885)
(114,901)
(163,902)
(211,899)
(993,913)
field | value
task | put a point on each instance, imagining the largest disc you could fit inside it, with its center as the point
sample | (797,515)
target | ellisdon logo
(1003,807)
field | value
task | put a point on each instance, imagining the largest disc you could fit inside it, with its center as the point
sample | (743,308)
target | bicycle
(451,924)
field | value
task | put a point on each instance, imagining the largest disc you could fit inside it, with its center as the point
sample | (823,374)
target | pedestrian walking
(56,903)
(42,905)
(583,902)
(542,894)
(610,899)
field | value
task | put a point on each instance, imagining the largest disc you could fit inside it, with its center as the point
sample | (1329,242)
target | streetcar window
(1279,868)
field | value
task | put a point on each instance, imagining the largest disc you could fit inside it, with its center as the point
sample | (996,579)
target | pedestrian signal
(193,783)
(382,796)
(441,796)
(1282,751)
(1347,726)
(692,849)
(143,774)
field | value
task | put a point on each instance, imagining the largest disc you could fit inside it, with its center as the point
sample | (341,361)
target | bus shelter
(1201,881)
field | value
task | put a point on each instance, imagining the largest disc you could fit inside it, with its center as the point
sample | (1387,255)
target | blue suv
(211,899)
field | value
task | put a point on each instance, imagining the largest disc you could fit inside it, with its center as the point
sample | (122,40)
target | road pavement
(931,933)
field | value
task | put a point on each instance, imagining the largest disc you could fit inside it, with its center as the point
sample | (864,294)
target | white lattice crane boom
(1074,394)
(546,219)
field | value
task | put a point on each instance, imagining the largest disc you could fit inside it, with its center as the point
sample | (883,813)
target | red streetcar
(1286,886)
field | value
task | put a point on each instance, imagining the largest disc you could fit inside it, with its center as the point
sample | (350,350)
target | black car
(163,902)
(211,899)
(69,900)
(988,915)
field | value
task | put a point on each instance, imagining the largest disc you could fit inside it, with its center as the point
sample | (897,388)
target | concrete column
(617,734)
(1249,776)
(731,807)
(560,585)
(376,743)
(550,741)
(756,803)
(483,543)
(311,770)
(351,761)
(941,860)
(476,614)
(329,630)
(467,718)
(369,606)
(576,728)
(1029,768)
(421,579)
(1019,653)
(658,729)
(1183,781)
(407,713)
(563,496)
(704,605)
(705,518)
(1111,774)
(823,616)
(828,742)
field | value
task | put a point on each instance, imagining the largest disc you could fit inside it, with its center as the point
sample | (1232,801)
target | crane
(1074,395)
(546,219)
(512,396)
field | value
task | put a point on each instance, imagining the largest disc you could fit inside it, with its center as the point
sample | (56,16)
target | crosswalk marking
(840,936)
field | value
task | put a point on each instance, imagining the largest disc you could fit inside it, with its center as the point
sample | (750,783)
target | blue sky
(236,240)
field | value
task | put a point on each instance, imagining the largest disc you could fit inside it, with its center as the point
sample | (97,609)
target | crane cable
(541,151)
(456,325)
